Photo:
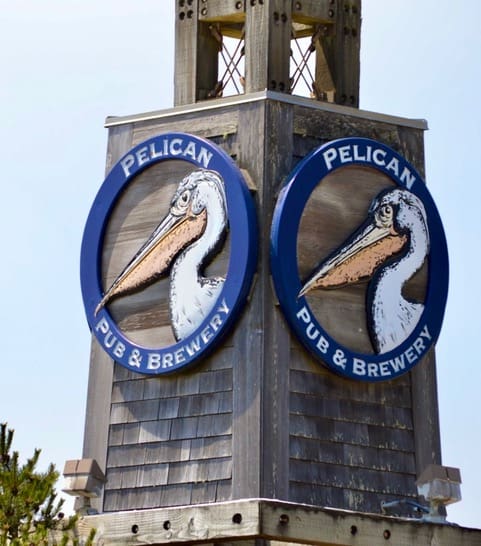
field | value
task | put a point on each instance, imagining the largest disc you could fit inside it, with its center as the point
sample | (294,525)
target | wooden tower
(259,417)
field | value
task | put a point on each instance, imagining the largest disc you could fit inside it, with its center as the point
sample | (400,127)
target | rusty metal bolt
(237,518)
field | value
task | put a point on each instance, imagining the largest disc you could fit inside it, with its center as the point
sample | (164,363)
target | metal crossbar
(231,60)
(231,55)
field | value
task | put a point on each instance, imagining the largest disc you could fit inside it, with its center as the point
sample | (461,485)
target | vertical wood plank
(248,354)
(342,52)
(196,50)
(99,392)
(267,45)
(425,413)
(275,385)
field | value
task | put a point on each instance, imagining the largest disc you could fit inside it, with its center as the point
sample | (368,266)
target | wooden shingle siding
(170,436)
(349,437)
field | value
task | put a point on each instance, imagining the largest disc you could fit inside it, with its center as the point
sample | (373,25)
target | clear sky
(67,64)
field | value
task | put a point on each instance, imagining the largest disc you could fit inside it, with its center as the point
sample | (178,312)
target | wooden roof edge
(285,522)
(112,121)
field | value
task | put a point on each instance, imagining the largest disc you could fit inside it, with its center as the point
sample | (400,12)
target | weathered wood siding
(351,444)
(170,438)
(260,418)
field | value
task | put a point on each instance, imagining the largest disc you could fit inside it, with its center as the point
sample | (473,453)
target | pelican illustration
(397,229)
(191,233)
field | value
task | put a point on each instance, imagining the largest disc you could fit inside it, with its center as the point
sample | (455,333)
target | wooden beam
(222,10)
(272,520)
(313,11)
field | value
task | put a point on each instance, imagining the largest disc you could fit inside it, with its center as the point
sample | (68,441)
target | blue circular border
(241,268)
(287,216)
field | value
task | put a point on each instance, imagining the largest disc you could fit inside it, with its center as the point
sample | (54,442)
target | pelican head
(395,236)
(197,216)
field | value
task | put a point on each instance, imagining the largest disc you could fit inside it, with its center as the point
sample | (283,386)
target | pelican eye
(181,202)
(385,214)
(184,198)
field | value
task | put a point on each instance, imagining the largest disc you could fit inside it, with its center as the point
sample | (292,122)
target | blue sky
(67,64)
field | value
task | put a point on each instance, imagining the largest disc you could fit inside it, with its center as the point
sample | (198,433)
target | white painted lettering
(153,361)
(358,366)
(393,166)
(345,154)
(407,177)
(102,326)
(357,155)
(153,152)
(410,355)
(223,308)
(167,360)
(368,154)
(384,369)
(109,340)
(190,150)
(119,350)
(329,156)
(304,315)
(398,363)
(311,331)
(322,345)
(193,347)
(419,345)
(215,322)
(379,157)
(206,334)
(204,157)
(175,146)
(126,163)
(425,333)
(179,356)
(142,156)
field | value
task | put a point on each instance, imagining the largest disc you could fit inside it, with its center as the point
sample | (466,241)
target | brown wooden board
(255,522)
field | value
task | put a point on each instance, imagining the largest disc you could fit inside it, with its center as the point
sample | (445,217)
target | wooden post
(268,35)
(196,51)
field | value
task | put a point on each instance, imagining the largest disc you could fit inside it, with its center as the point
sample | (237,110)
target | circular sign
(209,205)
(397,236)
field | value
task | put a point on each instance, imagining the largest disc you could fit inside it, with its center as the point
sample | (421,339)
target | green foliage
(30,513)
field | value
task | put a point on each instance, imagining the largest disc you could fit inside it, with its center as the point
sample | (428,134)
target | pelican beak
(357,259)
(172,235)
